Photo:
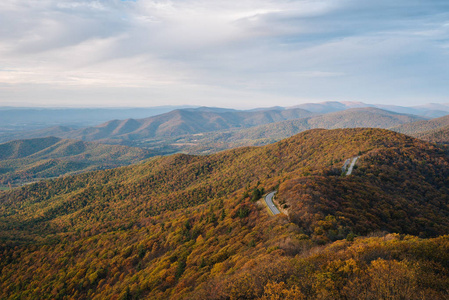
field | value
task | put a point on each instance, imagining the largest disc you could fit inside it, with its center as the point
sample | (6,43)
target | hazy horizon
(363,104)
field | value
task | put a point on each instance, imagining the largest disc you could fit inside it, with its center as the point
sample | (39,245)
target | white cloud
(291,49)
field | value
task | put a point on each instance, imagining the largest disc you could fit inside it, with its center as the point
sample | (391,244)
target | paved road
(352,165)
(346,165)
(270,204)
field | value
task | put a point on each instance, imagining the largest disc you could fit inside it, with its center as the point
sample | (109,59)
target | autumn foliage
(188,227)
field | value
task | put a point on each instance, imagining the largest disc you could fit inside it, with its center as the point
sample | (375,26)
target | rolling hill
(439,135)
(174,123)
(181,122)
(31,159)
(431,110)
(423,126)
(58,131)
(361,117)
(269,133)
(20,123)
(186,227)
(434,130)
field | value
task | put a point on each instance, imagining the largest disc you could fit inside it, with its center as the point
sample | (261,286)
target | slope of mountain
(269,133)
(180,122)
(431,110)
(422,126)
(156,132)
(15,121)
(434,130)
(427,111)
(362,117)
(185,227)
(31,159)
(12,135)
(174,123)
(439,135)
(434,107)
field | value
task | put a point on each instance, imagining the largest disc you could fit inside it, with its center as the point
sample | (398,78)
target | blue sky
(242,54)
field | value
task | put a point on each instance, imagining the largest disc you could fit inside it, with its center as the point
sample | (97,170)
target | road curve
(352,165)
(270,204)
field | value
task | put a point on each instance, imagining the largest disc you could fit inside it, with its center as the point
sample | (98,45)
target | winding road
(269,197)
(352,165)
(270,204)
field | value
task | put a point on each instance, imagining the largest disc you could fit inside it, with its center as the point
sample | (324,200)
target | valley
(190,130)
(25,161)
(211,142)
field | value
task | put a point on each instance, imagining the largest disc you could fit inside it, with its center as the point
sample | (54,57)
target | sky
(225,53)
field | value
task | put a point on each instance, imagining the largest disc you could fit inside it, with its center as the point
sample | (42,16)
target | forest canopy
(191,227)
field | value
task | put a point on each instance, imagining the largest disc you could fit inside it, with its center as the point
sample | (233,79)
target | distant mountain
(32,159)
(331,106)
(433,114)
(210,109)
(205,130)
(434,107)
(434,130)
(429,110)
(361,117)
(210,129)
(269,133)
(194,121)
(440,135)
(179,122)
(26,119)
(422,126)
(18,118)
(12,135)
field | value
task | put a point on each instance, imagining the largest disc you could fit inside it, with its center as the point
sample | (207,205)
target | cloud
(321,50)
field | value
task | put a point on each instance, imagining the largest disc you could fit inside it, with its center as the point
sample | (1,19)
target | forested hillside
(25,160)
(12,135)
(174,123)
(422,126)
(207,130)
(273,132)
(434,130)
(440,135)
(189,227)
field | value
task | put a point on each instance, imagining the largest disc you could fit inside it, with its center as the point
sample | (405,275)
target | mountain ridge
(422,126)
(179,122)
(269,133)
